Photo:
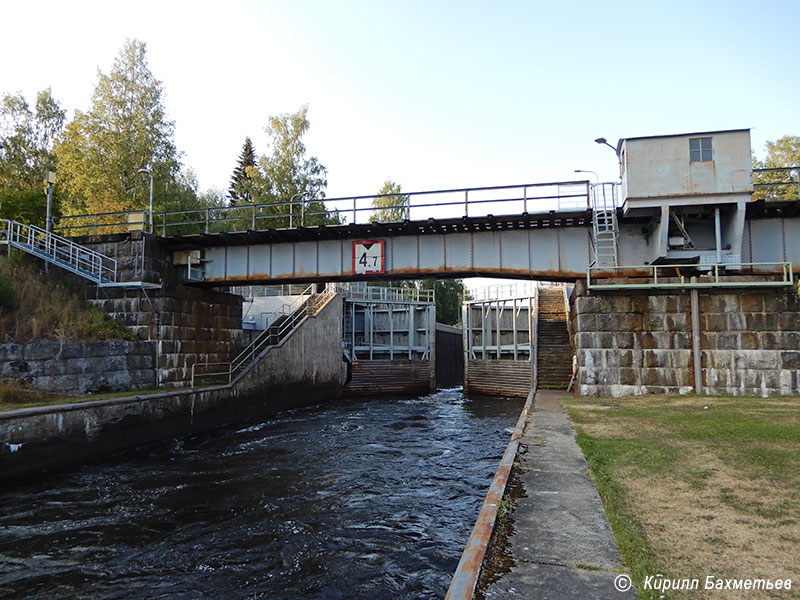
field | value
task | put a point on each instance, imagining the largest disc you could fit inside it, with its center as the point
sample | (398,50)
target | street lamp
(602,140)
(596,178)
(150,173)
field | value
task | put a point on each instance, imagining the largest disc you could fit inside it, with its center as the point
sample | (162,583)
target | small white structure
(691,191)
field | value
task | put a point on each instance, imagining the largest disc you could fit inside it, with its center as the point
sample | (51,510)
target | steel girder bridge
(558,231)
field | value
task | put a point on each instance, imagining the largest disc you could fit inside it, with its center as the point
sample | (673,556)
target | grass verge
(697,486)
(13,397)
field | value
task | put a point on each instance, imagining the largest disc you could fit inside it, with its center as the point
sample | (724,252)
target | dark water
(353,499)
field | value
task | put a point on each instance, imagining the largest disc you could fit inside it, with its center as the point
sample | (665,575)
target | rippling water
(351,499)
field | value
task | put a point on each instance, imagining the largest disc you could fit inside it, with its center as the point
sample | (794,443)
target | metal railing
(110,222)
(677,276)
(59,251)
(776,183)
(265,291)
(452,203)
(305,305)
(503,291)
(363,291)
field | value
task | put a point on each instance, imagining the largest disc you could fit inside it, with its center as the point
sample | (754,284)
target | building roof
(652,137)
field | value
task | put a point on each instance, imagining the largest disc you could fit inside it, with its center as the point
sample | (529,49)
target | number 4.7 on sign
(368,256)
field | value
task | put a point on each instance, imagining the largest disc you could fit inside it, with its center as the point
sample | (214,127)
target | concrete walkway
(561,522)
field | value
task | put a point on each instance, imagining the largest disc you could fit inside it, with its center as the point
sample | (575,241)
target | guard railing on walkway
(59,251)
(307,304)
(363,291)
(716,275)
(453,203)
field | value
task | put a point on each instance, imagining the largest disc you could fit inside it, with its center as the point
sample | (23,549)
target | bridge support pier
(744,341)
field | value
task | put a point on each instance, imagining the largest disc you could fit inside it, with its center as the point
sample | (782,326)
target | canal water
(346,500)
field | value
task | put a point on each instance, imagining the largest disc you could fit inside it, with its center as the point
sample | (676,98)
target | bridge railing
(303,212)
(776,184)
(671,276)
(110,222)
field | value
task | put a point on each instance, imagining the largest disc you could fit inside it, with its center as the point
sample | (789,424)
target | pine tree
(242,181)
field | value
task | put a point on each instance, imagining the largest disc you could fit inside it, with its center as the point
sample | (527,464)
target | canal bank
(306,367)
(367,498)
(562,546)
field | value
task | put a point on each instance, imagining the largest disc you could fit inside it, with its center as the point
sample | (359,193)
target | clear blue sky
(431,94)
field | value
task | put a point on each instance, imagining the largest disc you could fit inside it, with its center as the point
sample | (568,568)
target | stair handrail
(61,252)
(307,304)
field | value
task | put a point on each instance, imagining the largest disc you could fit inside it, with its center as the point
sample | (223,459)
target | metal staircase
(604,225)
(61,252)
(307,304)
(66,254)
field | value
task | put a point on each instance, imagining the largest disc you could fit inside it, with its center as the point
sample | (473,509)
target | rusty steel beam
(465,579)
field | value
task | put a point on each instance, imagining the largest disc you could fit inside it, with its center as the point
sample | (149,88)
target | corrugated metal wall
(499,377)
(373,377)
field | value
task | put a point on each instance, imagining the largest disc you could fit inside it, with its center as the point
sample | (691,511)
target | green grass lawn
(697,486)
(13,397)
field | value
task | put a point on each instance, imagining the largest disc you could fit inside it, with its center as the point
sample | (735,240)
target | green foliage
(449,295)
(241,189)
(784,152)
(390,204)
(27,137)
(35,306)
(124,130)
(287,175)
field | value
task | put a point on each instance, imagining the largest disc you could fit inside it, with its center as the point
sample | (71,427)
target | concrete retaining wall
(641,343)
(76,367)
(306,368)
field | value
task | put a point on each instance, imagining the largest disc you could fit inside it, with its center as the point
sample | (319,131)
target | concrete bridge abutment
(635,342)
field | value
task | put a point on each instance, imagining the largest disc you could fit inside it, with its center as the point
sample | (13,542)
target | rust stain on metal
(465,579)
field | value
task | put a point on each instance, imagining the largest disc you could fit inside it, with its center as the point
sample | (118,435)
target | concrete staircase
(554,354)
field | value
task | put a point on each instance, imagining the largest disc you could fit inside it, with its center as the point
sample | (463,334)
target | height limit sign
(368,257)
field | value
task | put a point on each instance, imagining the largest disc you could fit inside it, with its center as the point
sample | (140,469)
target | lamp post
(596,178)
(150,173)
(602,140)
(50,177)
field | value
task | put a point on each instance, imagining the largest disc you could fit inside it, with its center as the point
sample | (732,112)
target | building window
(700,149)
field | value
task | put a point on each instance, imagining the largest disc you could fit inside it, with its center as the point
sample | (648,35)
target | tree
(288,175)
(782,153)
(241,189)
(126,129)
(449,294)
(27,138)
(390,204)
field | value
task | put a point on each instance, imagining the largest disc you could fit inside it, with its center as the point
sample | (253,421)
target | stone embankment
(77,367)
(642,343)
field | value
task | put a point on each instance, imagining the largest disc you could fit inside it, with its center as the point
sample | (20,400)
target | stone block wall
(139,256)
(632,343)
(79,368)
(189,324)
